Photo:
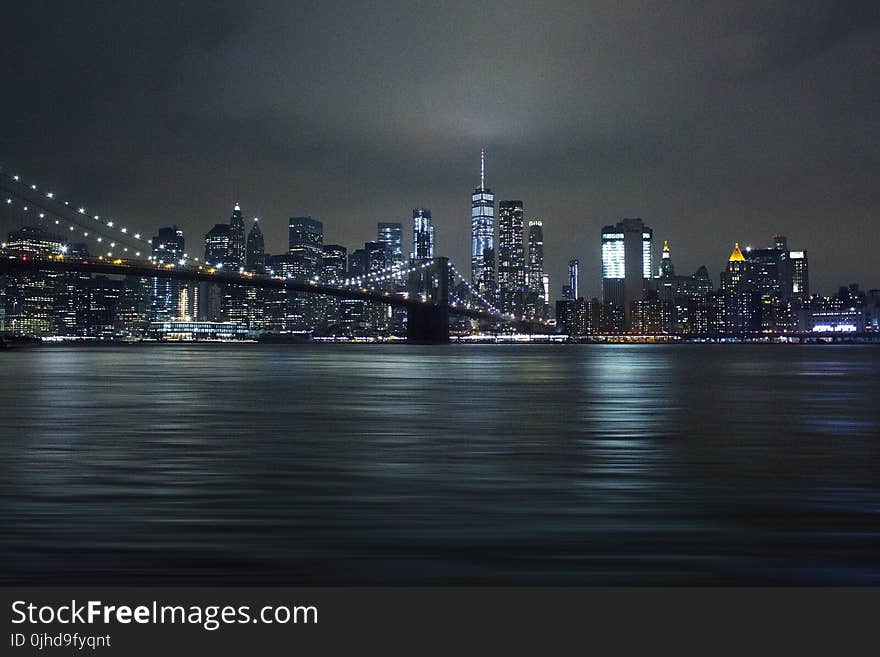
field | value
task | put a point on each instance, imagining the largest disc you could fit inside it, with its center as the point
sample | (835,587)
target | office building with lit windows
(390,233)
(237,242)
(573,279)
(30,296)
(168,248)
(800,275)
(217,245)
(305,243)
(483,236)
(537,281)
(511,257)
(626,265)
(423,234)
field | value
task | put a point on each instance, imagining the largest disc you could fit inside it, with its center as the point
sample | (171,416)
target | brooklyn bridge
(126,251)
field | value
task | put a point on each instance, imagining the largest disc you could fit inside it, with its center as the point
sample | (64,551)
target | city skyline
(765,291)
(737,124)
(557,289)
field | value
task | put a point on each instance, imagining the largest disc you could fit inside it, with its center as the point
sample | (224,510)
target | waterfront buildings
(30,297)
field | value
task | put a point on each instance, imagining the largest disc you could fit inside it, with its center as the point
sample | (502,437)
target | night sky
(713,121)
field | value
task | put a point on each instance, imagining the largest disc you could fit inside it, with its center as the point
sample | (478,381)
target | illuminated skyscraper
(800,275)
(666,268)
(217,245)
(210,307)
(305,244)
(626,265)
(742,294)
(423,234)
(168,247)
(306,259)
(391,234)
(736,269)
(234,304)
(237,245)
(511,257)
(536,285)
(30,302)
(574,279)
(536,257)
(334,271)
(335,263)
(483,236)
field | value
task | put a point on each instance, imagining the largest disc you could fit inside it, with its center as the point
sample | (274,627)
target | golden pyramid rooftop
(737,255)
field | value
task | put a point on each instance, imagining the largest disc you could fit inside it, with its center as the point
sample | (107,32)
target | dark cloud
(715,122)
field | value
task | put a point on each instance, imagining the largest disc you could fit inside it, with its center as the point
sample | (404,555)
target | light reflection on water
(613,464)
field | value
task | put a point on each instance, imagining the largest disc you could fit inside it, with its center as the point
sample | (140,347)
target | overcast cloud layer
(715,122)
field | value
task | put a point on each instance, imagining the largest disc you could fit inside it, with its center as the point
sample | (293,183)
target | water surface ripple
(397,464)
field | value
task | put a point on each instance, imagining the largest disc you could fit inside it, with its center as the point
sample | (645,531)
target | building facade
(537,281)
(423,234)
(511,258)
(626,265)
(483,236)
(168,248)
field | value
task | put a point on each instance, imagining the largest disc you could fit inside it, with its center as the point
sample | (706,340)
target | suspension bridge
(121,249)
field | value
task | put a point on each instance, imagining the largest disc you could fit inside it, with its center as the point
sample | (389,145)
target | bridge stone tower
(428,323)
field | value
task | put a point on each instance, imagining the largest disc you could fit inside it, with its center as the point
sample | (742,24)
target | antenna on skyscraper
(482,168)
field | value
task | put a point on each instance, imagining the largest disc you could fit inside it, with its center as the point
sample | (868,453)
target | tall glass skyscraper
(237,245)
(306,245)
(306,259)
(168,247)
(391,235)
(423,234)
(217,245)
(800,278)
(626,264)
(335,263)
(538,281)
(483,236)
(234,305)
(511,257)
(536,257)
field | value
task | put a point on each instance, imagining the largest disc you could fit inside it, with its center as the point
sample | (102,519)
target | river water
(460,464)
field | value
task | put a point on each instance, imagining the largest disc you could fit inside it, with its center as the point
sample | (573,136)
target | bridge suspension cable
(488,305)
(105,231)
